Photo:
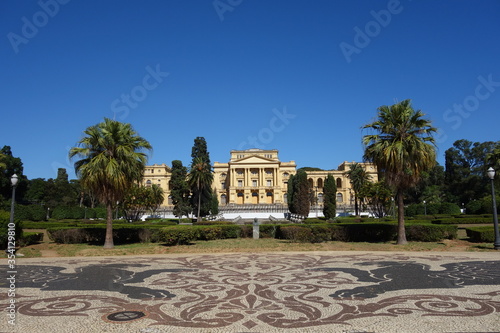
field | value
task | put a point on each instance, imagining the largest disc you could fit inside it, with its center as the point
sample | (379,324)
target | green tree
(36,192)
(3,165)
(179,189)
(379,197)
(112,158)
(402,149)
(64,191)
(359,178)
(214,203)
(155,197)
(330,197)
(134,202)
(290,194)
(493,157)
(201,197)
(12,165)
(300,196)
(200,179)
(466,163)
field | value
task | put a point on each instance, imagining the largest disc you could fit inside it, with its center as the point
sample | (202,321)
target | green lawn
(50,249)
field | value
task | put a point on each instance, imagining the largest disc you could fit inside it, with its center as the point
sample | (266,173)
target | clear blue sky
(298,76)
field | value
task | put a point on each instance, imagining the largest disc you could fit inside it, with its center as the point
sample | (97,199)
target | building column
(275,176)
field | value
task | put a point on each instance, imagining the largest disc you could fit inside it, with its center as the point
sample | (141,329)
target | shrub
(47,225)
(179,235)
(246,231)
(314,220)
(370,232)
(68,235)
(68,212)
(22,212)
(269,231)
(233,231)
(97,233)
(296,233)
(4,230)
(210,233)
(321,233)
(449,208)
(430,210)
(484,234)
(463,220)
(30,238)
(214,223)
(430,232)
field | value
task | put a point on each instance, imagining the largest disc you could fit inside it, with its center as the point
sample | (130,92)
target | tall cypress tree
(301,202)
(200,153)
(290,194)
(330,197)
(180,189)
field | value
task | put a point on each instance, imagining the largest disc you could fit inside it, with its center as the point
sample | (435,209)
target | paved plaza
(256,292)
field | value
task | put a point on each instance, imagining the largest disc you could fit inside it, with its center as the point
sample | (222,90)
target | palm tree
(155,198)
(358,178)
(200,176)
(402,149)
(112,159)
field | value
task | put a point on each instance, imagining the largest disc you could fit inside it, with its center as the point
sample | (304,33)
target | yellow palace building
(258,177)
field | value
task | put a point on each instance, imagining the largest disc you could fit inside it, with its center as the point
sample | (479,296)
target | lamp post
(425,208)
(13,181)
(491,175)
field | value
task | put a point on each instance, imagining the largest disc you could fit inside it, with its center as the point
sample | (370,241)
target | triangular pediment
(254,159)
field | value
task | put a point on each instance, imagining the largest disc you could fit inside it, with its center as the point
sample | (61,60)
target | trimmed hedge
(485,234)
(48,225)
(430,232)
(314,233)
(122,234)
(366,232)
(214,223)
(464,220)
(30,238)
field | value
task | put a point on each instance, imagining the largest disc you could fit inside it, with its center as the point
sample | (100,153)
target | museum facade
(257,176)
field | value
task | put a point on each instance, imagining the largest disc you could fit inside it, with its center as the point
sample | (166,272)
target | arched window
(311,183)
(320,198)
(340,197)
(223,199)
(339,183)
(320,183)
(170,202)
(148,183)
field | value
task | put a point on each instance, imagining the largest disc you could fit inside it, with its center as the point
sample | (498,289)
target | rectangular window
(269,182)
(240,183)
(254,183)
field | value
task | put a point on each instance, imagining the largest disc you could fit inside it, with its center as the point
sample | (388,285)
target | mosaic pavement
(292,292)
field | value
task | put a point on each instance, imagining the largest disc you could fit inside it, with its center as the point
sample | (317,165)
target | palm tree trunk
(198,218)
(356,207)
(108,241)
(401,219)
